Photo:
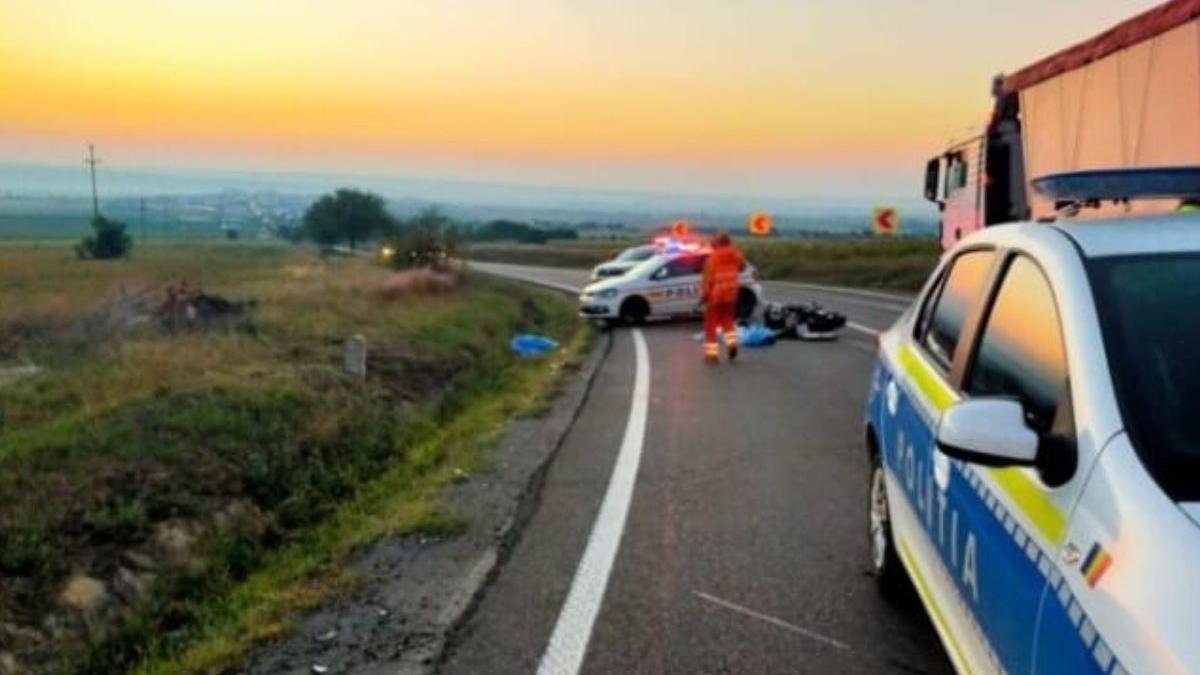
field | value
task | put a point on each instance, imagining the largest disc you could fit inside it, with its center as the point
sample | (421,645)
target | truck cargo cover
(1140,28)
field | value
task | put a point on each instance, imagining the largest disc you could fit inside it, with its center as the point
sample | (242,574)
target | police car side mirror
(988,431)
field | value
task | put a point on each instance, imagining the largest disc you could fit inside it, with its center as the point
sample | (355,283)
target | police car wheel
(634,310)
(889,574)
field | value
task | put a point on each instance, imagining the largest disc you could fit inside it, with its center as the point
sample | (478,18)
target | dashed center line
(791,627)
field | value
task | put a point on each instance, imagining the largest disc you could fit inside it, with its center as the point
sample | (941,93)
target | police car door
(937,514)
(677,285)
(1019,354)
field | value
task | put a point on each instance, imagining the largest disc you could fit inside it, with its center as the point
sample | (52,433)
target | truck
(1126,98)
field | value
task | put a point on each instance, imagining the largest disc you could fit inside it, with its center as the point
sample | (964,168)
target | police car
(665,285)
(1034,433)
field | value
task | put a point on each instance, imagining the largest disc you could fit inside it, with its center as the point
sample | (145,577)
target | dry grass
(128,424)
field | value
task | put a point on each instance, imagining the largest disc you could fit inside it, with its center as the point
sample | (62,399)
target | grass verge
(401,501)
(211,478)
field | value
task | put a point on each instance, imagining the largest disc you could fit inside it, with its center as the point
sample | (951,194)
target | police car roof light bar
(1095,185)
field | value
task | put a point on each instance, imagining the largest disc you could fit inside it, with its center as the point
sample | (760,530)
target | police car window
(1147,306)
(681,267)
(927,306)
(960,295)
(1021,352)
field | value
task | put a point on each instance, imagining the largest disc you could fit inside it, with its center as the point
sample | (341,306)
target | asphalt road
(709,519)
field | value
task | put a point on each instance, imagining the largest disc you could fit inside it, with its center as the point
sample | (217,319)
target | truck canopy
(1140,28)
(1126,98)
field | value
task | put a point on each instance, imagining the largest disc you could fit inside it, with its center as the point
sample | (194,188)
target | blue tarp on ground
(755,335)
(528,344)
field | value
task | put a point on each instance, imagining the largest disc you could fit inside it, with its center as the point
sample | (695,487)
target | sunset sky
(642,94)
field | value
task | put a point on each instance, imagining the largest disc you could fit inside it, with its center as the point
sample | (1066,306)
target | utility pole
(142,221)
(91,161)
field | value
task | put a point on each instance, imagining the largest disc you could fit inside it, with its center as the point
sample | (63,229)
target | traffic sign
(680,228)
(759,223)
(886,221)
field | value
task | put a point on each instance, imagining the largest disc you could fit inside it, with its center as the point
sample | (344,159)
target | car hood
(615,266)
(602,285)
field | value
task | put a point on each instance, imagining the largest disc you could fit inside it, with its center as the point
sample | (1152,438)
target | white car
(625,261)
(1033,429)
(665,285)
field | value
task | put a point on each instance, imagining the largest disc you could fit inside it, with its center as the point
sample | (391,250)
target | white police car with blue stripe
(1034,433)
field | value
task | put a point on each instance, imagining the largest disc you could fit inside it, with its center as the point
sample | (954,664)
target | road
(705,519)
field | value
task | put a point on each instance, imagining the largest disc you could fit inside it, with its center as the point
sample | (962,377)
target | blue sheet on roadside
(529,345)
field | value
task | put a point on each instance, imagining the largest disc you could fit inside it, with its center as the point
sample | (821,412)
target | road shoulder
(415,591)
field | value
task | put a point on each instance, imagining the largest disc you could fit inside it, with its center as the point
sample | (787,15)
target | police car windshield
(1147,306)
(636,254)
(652,263)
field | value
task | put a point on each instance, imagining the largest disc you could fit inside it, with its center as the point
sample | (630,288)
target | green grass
(901,263)
(130,427)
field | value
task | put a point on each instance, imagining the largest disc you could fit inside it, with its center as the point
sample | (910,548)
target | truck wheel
(746,303)
(889,572)
(634,311)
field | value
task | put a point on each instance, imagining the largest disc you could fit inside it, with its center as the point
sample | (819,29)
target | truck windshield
(1147,306)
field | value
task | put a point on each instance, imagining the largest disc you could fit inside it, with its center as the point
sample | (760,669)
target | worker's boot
(731,344)
(711,353)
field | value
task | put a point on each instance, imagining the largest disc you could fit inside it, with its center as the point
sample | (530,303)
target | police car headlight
(606,293)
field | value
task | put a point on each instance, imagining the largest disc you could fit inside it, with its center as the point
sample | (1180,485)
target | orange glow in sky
(380,83)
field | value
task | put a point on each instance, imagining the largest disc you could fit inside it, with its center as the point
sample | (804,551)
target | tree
(110,241)
(346,215)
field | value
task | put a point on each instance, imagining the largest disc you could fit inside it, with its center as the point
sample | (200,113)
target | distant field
(901,263)
(42,219)
(210,477)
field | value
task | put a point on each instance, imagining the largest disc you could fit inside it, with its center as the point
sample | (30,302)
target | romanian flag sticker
(1095,564)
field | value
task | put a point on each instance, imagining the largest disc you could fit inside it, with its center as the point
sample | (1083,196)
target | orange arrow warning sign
(759,223)
(886,221)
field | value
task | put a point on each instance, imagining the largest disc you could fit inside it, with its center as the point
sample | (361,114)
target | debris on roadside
(185,307)
(529,345)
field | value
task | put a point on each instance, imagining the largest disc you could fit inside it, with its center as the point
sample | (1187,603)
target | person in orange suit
(719,292)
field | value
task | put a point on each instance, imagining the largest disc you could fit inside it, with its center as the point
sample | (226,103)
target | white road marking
(573,630)
(866,330)
(772,620)
(903,300)
(526,277)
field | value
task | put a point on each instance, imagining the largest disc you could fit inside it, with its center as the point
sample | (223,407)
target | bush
(110,241)
(428,240)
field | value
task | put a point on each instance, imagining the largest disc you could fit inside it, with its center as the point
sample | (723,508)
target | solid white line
(895,297)
(569,641)
(866,330)
(772,620)
(510,274)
